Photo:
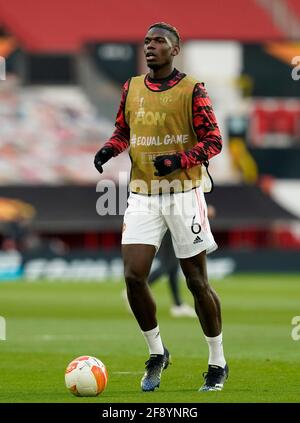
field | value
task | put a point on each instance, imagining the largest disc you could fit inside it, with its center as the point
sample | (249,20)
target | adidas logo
(197,240)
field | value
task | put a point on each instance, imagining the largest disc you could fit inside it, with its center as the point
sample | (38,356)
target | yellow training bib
(161,122)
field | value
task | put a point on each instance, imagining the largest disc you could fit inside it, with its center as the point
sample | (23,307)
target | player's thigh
(188,223)
(143,221)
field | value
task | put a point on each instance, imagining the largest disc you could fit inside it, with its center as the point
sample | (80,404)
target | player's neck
(161,73)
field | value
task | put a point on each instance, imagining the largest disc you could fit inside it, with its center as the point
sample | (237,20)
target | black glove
(103,155)
(167,164)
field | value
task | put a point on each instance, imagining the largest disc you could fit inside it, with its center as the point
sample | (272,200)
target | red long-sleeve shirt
(204,121)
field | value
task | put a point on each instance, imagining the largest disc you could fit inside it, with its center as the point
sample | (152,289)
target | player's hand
(103,155)
(166,164)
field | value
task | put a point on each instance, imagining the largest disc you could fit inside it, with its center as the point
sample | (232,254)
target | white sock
(216,354)
(154,341)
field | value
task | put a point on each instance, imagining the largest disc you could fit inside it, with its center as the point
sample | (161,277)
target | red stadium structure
(294,6)
(64,25)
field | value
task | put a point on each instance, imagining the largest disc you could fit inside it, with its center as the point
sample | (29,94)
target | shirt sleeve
(119,140)
(205,125)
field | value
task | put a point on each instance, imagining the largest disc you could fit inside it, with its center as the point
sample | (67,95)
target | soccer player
(167,121)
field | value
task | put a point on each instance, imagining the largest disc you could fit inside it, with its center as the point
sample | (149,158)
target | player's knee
(134,279)
(198,285)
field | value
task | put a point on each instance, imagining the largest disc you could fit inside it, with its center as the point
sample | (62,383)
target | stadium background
(65,65)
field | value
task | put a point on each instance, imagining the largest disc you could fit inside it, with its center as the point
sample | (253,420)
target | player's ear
(176,50)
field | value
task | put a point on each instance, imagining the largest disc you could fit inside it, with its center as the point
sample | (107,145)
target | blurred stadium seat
(48,134)
(275,123)
(294,5)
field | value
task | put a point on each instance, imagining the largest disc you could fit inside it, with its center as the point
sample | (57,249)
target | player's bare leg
(137,264)
(208,309)
(137,260)
(207,304)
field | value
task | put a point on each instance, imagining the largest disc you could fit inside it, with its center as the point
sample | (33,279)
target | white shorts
(147,219)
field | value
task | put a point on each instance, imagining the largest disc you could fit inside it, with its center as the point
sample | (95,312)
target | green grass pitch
(49,324)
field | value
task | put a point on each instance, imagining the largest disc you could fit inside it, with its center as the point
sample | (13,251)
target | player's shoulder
(138,78)
(135,81)
(193,82)
(191,79)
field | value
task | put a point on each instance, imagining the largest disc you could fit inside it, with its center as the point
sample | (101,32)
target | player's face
(159,48)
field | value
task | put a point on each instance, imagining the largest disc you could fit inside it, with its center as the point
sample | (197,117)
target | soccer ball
(86,376)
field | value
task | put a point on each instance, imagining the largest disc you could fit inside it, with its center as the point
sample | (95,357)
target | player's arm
(119,141)
(208,134)
(205,125)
